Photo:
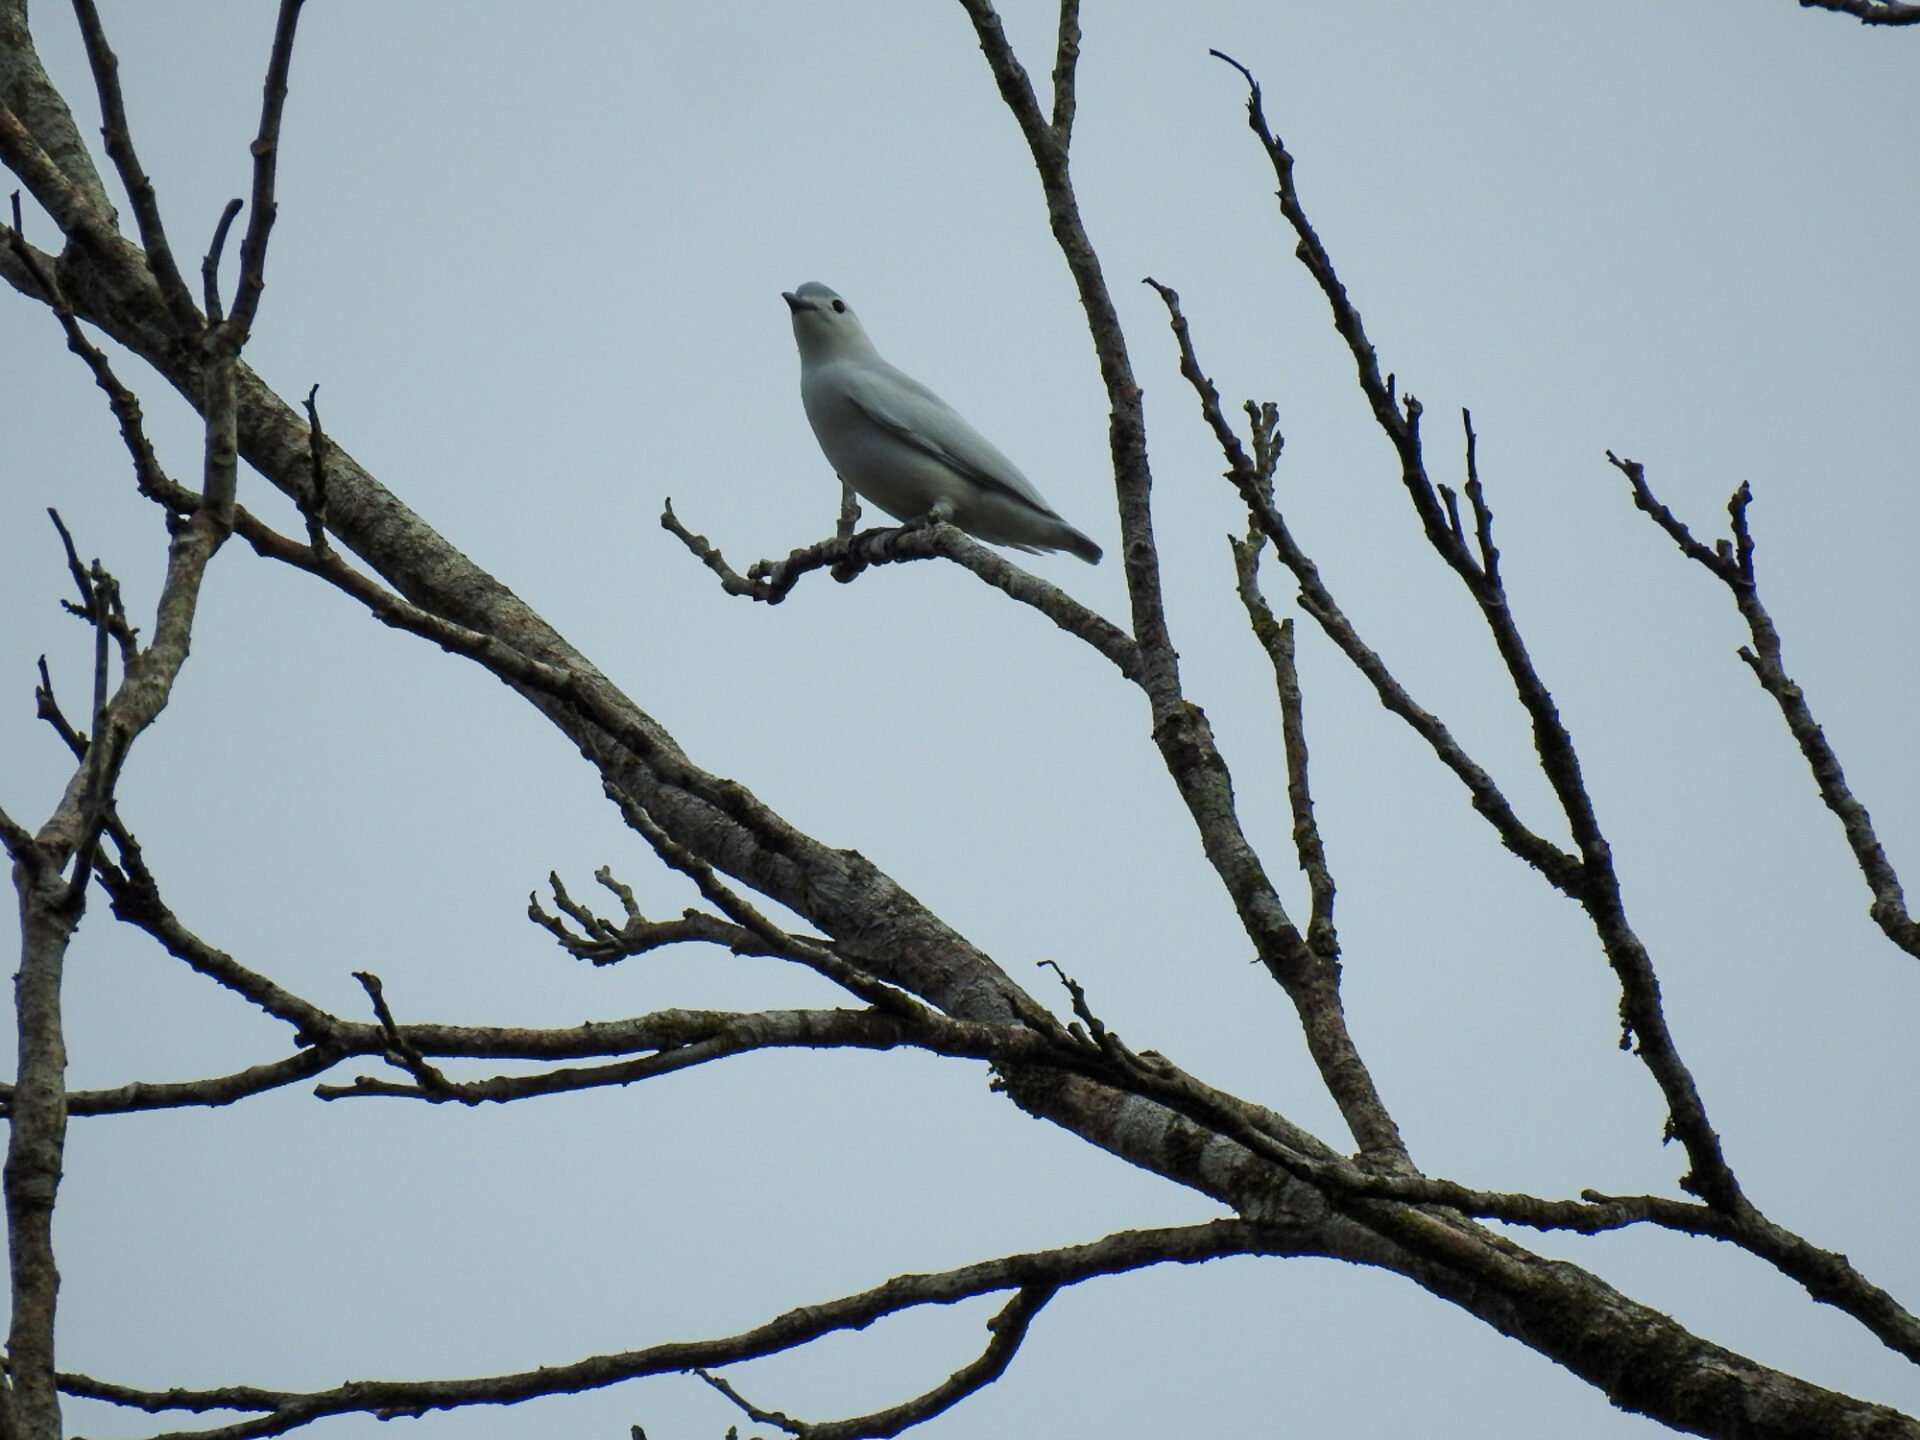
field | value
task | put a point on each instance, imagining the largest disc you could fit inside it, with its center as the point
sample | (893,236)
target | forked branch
(846,555)
(1731,562)
(277,1412)
(1005,1332)
(1643,1018)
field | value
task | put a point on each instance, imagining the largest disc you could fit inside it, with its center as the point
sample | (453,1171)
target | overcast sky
(532,255)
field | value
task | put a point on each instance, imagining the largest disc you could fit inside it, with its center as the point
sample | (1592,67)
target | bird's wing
(903,407)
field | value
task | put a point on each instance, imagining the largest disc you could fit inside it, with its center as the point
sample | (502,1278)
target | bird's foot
(940,514)
(849,512)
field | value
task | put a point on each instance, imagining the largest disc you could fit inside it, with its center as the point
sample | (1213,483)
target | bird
(905,449)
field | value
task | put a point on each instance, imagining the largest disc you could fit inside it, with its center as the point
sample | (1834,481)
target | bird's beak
(794,302)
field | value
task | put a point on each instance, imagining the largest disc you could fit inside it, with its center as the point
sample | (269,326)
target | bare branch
(136,901)
(17,839)
(816,956)
(1006,1330)
(231,1397)
(1306,833)
(36,1139)
(1180,729)
(845,556)
(107,747)
(313,506)
(1560,868)
(1870,12)
(687,1047)
(876,924)
(1066,56)
(119,139)
(266,154)
(209,1093)
(1732,564)
(72,207)
(605,943)
(1276,638)
(48,709)
(210,262)
(1482,516)
(1133,476)
(125,405)
(1400,428)
(1709,1175)
(50,906)
(749,1409)
(402,1052)
(1041,1270)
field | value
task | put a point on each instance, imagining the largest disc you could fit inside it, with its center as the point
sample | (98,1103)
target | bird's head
(824,324)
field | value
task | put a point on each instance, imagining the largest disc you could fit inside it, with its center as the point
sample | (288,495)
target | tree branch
(1869,12)
(1638,1357)
(684,1039)
(139,187)
(1180,730)
(1732,564)
(73,209)
(136,901)
(125,405)
(266,154)
(845,556)
(1006,1330)
(210,1093)
(1066,57)
(1709,1175)
(604,943)
(50,910)
(1048,1269)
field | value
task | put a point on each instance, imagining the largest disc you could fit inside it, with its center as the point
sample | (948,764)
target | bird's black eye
(839,307)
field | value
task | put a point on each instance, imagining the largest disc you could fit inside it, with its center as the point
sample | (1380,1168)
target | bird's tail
(1072,541)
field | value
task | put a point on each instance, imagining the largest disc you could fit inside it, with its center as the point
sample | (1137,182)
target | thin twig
(1731,562)
(604,943)
(119,140)
(136,901)
(210,262)
(313,506)
(845,556)
(1005,1332)
(1180,729)
(814,955)
(1560,868)
(1066,58)
(695,1039)
(1048,1269)
(1644,1021)
(47,708)
(215,1091)
(266,154)
(403,1052)
(1306,832)
(126,407)
(1476,496)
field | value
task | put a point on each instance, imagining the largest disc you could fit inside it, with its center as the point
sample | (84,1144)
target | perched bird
(904,448)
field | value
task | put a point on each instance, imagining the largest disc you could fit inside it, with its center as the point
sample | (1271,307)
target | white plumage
(905,449)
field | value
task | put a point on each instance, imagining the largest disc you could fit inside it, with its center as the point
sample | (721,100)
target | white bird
(904,448)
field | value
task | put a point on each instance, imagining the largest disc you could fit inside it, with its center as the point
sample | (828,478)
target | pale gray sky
(533,256)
